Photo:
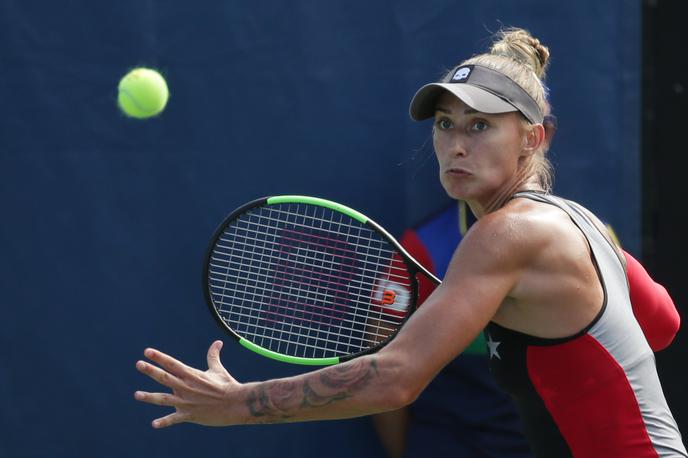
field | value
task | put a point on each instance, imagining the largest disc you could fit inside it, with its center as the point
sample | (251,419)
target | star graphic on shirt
(492,346)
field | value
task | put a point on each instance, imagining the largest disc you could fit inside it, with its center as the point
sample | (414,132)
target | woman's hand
(198,397)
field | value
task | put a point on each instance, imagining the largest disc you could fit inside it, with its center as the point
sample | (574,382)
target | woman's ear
(535,138)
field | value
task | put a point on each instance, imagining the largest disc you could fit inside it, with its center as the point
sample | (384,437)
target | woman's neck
(500,198)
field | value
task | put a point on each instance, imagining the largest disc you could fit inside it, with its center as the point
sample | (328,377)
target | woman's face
(480,155)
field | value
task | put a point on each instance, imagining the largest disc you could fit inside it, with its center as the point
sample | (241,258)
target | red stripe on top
(590,399)
(652,306)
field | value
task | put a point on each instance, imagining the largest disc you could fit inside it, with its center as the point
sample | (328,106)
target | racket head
(308,281)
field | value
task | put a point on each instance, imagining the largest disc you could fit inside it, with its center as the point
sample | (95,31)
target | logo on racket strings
(393,297)
(388,297)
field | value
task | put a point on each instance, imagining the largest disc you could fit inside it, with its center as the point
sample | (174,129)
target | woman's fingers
(195,394)
(214,362)
(169,420)
(159,399)
(172,365)
(159,375)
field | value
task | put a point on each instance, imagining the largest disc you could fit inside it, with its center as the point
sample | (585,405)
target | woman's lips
(458,172)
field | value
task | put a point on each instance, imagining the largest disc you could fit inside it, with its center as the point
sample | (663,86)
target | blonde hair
(520,56)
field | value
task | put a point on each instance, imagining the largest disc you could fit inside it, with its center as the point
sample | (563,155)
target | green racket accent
(288,359)
(320,202)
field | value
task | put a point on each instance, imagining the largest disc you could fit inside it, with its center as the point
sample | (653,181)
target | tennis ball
(142,93)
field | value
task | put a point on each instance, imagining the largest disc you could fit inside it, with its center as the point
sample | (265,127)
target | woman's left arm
(477,281)
(215,398)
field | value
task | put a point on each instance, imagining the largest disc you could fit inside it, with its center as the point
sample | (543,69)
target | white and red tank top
(596,393)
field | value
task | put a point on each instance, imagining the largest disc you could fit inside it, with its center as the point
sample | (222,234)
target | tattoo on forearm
(272,401)
(339,383)
(280,400)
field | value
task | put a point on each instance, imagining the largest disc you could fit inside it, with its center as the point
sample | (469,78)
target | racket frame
(413,266)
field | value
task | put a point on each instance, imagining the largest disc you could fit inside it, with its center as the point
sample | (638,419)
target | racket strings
(226,294)
(295,216)
(381,259)
(306,281)
(310,257)
(311,294)
(260,228)
(371,336)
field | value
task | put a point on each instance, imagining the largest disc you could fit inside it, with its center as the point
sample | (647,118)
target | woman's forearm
(387,380)
(359,387)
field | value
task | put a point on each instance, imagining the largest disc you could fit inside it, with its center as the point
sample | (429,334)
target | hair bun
(521,46)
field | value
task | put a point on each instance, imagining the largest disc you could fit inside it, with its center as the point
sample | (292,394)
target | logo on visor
(461,74)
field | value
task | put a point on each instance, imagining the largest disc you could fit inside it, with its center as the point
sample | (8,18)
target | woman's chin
(455,193)
(456,189)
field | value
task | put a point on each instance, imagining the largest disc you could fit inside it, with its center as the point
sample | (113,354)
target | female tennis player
(537,273)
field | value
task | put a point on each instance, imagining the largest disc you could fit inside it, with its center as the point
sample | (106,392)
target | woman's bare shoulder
(523,222)
(514,233)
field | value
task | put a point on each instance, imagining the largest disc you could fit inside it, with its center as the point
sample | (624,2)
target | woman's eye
(479,125)
(444,124)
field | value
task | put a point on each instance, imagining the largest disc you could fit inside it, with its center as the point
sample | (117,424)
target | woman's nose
(456,147)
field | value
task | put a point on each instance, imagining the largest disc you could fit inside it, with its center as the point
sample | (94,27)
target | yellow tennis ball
(142,93)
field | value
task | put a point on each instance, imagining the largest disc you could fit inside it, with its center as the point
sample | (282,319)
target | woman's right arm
(451,318)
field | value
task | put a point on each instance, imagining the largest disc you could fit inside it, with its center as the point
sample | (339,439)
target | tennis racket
(309,281)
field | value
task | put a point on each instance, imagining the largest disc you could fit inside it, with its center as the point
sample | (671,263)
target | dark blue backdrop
(105,219)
